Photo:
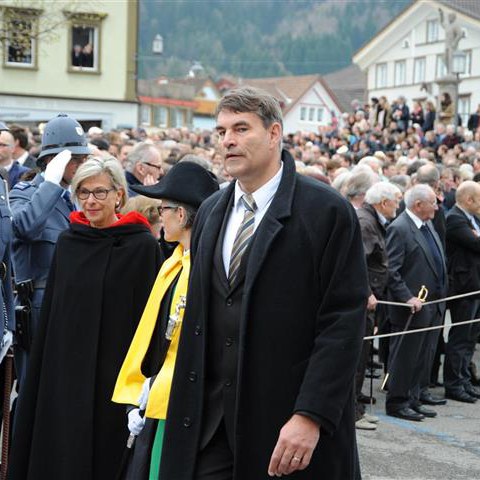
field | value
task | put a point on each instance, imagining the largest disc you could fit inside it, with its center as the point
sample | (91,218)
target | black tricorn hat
(186,182)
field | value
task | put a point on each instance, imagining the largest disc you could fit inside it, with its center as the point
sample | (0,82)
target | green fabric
(157,451)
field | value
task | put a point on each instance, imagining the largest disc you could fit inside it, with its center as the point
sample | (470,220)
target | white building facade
(407,56)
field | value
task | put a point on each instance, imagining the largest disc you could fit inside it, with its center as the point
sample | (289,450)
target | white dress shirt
(418,222)
(263,198)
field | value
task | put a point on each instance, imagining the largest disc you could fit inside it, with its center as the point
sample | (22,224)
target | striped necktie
(243,236)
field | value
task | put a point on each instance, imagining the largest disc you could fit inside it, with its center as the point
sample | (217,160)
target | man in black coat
(463,253)
(263,382)
(381,203)
(474,120)
(415,259)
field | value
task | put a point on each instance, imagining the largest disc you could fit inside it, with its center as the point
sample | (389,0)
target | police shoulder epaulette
(22,185)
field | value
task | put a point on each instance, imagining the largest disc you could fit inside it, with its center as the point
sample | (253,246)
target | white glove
(143,399)
(135,422)
(56,167)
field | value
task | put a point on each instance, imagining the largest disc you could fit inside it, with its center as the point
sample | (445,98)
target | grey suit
(411,266)
(40,214)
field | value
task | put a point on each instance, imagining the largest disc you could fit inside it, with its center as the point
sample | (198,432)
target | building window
(468,62)
(464,109)
(303,113)
(419,70)
(21,30)
(433,29)
(381,75)
(441,69)
(400,73)
(160,117)
(320,112)
(145,115)
(311,114)
(84,44)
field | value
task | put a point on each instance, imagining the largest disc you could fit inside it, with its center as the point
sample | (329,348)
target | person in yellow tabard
(145,379)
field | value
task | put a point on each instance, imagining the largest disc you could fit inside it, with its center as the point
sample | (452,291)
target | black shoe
(428,399)
(427,412)
(461,396)
(366,399)
(371,373)
(473,391)
(406,413)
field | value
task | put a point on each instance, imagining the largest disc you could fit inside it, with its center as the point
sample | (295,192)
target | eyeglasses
(166,207)
(98,193)
(5,145)
(159,167)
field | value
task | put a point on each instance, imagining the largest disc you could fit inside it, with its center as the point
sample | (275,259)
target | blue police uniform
(40,213)
(7,309)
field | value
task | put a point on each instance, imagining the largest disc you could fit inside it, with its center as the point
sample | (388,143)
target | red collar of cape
(130,218)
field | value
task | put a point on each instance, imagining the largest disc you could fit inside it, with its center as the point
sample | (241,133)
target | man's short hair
(20,134)
(428,174)
(381,191)
(140,153)
(359,182)
(252,100)
(420,192)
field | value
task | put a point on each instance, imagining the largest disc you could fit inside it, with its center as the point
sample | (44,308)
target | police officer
(41,209)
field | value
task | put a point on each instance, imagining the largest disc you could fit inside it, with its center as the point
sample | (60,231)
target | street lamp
(157,45)
(459,63)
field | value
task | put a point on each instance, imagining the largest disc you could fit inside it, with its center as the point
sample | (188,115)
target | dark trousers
(461,344)
(362,365)
(215,461)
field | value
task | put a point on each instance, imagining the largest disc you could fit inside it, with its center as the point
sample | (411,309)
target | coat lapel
(271,224)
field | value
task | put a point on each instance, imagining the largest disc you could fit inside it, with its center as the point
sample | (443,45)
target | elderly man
(415,259)
(269,346)
(381,203)
(357,183)
(14,169)
(143,166)
(463,253)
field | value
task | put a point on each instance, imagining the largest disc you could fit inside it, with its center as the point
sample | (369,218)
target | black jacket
(301,328)
(67,426)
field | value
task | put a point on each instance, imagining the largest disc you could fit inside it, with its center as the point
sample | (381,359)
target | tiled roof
(467,7)
(347,84)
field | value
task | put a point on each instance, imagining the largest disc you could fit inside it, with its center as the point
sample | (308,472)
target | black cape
(67,426)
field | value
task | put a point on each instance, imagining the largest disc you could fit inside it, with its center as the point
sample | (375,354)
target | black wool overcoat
(66,425)
(302,320)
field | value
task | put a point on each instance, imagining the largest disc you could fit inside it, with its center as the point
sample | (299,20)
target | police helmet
(61,133)
(3,127)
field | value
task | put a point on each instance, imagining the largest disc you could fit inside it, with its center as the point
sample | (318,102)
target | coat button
(192,376)
(198,330)
(228,383)
(228,342)
(187,422)
(229,302)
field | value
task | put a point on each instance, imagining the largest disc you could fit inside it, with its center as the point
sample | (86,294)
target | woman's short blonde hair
(95,166)
(148,207)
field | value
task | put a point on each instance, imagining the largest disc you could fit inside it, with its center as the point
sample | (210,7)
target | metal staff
(422,296)
(6,413)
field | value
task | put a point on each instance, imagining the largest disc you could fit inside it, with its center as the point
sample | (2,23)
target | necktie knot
(249,202)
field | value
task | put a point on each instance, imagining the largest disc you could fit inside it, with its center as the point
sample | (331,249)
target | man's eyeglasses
(159,167)
(166,207)
(98,193)
(5,145)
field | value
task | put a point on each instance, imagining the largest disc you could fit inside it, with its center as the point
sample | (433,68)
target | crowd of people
(287,277)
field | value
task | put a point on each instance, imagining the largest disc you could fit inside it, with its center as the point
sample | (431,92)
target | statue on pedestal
(453,35)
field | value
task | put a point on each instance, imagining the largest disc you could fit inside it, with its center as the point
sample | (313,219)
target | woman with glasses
(103,270)
(145,378)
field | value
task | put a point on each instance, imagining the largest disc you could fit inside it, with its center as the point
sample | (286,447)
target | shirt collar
(263,195)
(418,222)
(21,159)
(382,219)
(468,215)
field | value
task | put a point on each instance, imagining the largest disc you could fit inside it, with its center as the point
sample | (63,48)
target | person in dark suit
(20,152)
(463,253)
(474,120)
(380,207)
(415,259)
(274,318)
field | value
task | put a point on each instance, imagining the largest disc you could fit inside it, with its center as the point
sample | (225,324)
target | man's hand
(416,304)
(296,442)
(149,180)
(372,302)
(56,167)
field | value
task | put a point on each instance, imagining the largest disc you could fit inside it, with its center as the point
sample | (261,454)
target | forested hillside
(258,38)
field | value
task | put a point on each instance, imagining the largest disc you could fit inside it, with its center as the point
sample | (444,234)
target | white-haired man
(415,259)
(381,202)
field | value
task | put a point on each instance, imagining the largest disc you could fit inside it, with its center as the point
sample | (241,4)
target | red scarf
(127,219)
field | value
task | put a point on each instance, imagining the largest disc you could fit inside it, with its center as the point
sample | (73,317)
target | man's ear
(275,133)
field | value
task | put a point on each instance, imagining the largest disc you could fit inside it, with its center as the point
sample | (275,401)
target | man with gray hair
(415,260)
(143,166)
(380,207)
(356,186)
